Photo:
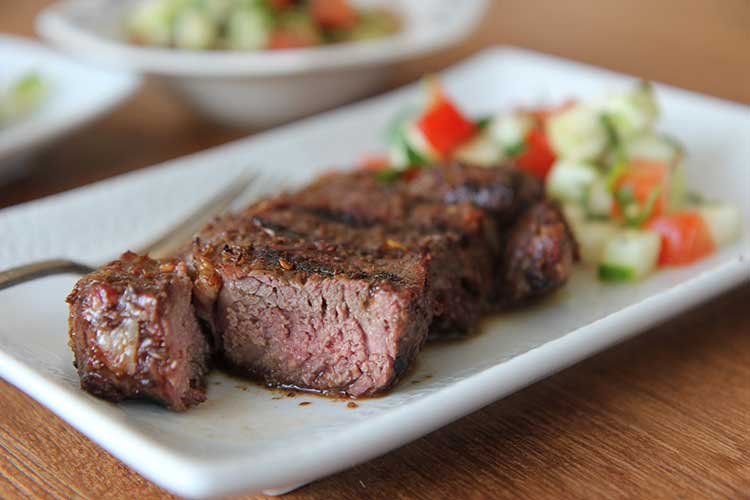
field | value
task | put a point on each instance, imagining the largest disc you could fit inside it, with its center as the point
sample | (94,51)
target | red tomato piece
(537,158)
(285,39)
(334,13)
(685,238)
(444,126)
(642,177)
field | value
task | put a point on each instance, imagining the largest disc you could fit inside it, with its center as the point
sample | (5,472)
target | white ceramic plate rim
(38,128)
(57,25)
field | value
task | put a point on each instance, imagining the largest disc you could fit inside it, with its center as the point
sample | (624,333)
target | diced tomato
(642,177)
(685,238)
(285,39)
(280,4)
(443,124)
(374,162)
(537,157)
(333,13)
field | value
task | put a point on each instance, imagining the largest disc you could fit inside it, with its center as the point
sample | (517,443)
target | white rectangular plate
(244,439)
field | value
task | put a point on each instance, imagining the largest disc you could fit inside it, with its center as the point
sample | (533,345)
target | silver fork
(161,247)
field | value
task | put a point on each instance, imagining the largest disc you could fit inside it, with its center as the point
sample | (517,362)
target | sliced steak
(539,255)
(134,334)
(293,310)
(486,206)
(460,274)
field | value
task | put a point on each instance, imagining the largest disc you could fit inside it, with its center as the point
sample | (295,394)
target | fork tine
(185,229)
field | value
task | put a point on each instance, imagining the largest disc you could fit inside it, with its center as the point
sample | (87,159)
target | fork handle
(28,272)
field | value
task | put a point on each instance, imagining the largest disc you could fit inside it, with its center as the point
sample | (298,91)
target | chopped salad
(619,180)
(249,25)
(21,97)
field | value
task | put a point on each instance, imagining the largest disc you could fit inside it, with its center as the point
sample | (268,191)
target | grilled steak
(299,311)
(134,333)
(486,207)
(333,288)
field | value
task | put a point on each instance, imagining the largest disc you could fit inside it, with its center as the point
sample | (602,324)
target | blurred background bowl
(262,88)
(76,95)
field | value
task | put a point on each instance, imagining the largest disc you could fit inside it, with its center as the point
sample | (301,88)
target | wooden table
(664,415)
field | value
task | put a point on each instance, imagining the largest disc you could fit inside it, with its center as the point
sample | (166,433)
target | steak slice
(134,334)
(488,207)
(313,314)
(460,274)
(504,192)
(539,255)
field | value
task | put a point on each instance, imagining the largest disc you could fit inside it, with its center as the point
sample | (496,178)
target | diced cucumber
(632,113)
(677,189)
(723,220)
(418,143)
(481,151)
(248,29)
(151,23)
(570,180)
(650,146)
(578,133)
(409,147)
(194,30)
(600,200)
(508,130)
(592,236)
(629,255)
(217,10)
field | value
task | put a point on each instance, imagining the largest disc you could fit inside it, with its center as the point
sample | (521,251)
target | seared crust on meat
(134,334)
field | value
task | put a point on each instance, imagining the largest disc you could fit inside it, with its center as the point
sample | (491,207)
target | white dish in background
(78,94)
(245,439)
(262,88)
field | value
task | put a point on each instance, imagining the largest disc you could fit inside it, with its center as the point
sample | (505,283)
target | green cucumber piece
(248,29)
(600,200)
(629,255)
(577,133)
(651,146)
(677,189)
(194,30)
(151,23)
(592,236)
(509,131)
(615,273)
(570,181)
(481,151)
(632,112)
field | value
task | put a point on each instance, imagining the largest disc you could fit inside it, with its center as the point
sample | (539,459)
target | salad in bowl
(256,24)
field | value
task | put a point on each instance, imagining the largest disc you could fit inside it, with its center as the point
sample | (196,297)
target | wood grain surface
(666,415)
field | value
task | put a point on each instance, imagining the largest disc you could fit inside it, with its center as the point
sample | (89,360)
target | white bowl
(77,95)
(262,88)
